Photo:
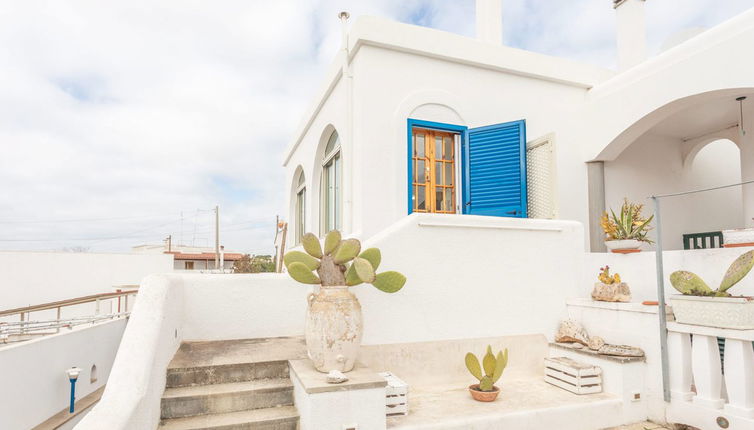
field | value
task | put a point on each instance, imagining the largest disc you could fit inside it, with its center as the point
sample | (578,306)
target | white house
(524,134)
(476,169)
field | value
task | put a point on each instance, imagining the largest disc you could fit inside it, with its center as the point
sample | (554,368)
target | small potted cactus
(699,304)
(493,366)
(626,233)
(610,288)
(334,324)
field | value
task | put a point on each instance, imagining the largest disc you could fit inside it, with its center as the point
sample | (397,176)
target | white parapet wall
(31,278)
(472,277)
(35,384)
(638,270)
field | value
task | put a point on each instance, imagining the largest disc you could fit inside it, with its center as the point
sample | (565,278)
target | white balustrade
(704,394)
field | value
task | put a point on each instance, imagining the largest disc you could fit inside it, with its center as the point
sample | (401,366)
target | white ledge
(613,306)
(456,224)
(711,331)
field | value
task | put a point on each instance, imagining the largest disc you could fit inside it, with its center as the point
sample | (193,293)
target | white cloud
(114,109)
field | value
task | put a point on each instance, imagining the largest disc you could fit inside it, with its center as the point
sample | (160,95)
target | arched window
(331,185)
(300,207)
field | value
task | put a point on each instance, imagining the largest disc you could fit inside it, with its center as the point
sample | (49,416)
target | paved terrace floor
(523,404)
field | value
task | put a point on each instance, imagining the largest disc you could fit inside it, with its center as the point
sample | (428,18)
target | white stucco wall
(653,165)
(35,385)
(30,278)
(638,270)
(401,71)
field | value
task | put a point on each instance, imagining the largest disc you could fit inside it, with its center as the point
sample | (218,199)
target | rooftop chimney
(489,21)
(631,32)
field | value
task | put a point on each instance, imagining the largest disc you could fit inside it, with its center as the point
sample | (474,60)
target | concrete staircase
(232,385)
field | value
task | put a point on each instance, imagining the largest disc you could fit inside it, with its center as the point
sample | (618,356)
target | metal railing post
(661,304)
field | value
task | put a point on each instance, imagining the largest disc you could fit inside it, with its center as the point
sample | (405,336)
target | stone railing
(710,390)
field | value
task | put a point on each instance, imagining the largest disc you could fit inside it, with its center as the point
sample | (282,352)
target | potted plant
(333,323)
(493,366)
(698,304)
(610,288)
(625,233)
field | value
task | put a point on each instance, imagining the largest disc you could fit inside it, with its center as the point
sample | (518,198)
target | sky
(123,122)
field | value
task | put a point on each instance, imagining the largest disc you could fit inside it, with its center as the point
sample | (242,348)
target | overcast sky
(122,122)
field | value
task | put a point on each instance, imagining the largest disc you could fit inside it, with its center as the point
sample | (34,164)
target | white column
(708,378)
(739,377)
(746,145)
(631,33)
(489,21)
(679,353)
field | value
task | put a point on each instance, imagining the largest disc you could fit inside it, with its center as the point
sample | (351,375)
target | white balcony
(709,391)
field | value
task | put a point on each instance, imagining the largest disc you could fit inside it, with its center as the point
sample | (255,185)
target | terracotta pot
(334,328)
(484,396)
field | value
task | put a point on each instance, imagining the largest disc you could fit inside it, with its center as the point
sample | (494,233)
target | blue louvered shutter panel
(495,170)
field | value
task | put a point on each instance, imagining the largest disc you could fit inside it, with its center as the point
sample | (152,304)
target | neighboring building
(192,257)
(412,119)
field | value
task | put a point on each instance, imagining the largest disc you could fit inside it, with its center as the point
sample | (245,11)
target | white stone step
(281,418)
(229,397)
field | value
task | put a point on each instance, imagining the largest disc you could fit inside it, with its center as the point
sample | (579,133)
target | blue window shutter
(494,171)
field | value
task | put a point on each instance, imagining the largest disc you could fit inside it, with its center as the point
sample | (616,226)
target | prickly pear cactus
(492,365)
(339,262)
(690,284)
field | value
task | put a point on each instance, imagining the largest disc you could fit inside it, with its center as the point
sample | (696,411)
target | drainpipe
(73,374)
(349,156)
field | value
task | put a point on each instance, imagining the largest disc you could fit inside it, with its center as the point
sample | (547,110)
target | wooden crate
(570,375)
(396,395)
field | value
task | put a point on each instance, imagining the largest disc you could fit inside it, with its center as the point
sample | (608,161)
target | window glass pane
(336,208)
(421,176)
(438,147)
(448,148)
(421,203)
(448,173)
(449,200)
(332,143)
(438,199)
(438,172)
(419,146)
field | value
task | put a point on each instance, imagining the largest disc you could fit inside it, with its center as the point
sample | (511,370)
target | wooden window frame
(434,129)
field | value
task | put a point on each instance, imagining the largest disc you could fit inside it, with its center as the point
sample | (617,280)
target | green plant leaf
(489,363)
(485,384)
(311,245)
(364,269)
(500,362)
(301,257)
(299,272)
(372,255)
(472,363)
(346,251)
(689,284)
(332,240)
(389,282)
(352,278)
(737,271)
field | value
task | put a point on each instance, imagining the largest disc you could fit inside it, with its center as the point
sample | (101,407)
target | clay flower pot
(483,396)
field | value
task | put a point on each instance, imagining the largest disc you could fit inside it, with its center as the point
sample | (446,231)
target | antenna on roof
(343,17)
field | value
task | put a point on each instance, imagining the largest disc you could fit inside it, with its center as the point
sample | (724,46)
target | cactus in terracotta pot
(690,284)
(488,373)
(334,323)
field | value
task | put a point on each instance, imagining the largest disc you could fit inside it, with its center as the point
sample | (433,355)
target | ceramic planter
(631,245)
(720,312)
(334,328)
(484,396)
